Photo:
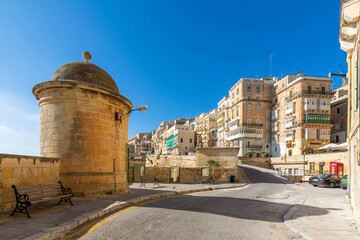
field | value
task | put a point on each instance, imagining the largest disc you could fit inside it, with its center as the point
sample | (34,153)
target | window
(312,167)
(267,113)
(185,147)
(237,111)
(249,108)
(257,98)
(258,109)
(323,90)
(337,110)
(190,140)
(237,91)
(282,101)
(249,97)
(337,125)
(233,95)
(309,89)
(257,89)
(267,125)
(181,140)
(232,113)
(282,114)
(258,121)
(249,88)
(337,138)
(249,120)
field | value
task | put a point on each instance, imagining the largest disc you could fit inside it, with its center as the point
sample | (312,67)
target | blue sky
(178,57)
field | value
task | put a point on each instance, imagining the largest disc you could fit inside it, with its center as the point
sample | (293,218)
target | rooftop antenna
(271,55)
(298,72)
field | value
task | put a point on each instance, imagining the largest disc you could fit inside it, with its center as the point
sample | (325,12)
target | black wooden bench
(206,179)
(25,196)
(149,179)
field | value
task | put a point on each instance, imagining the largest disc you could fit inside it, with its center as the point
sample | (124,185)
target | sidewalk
(337,224)
(50,221)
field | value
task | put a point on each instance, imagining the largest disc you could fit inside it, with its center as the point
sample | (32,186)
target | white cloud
(6,130)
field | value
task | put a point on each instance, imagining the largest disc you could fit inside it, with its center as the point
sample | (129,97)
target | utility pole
(271,55)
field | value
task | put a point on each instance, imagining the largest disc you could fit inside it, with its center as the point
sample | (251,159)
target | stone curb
(287,217)
(56,232)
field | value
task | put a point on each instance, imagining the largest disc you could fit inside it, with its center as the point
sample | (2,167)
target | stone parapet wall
(168,160)
(161,173)
(227,157)
(257,162)
(25,171)
(190,175)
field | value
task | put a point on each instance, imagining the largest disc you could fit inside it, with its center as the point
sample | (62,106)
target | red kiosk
(337,168)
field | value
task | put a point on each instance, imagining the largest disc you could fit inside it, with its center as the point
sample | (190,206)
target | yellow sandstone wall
(227,157)
(25,171)
(168,160)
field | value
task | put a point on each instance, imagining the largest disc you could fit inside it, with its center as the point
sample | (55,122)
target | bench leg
(12,214)
(143,184)
(21,208)
(66,199)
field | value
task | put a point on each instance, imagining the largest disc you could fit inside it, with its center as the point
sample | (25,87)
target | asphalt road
(251,212)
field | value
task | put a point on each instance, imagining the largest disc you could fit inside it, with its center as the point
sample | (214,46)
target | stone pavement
(338,223)
(51,221)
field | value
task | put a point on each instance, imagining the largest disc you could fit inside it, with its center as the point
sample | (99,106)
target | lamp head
(142,108)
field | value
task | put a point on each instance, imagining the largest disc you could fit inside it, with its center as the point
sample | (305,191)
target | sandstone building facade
(140,144)
(339,108)
(300,114)
(249,116)
(349,41)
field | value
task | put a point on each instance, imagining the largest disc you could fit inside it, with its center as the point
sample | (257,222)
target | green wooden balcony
(317,118)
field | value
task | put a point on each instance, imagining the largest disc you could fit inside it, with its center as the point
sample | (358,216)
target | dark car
(325,180)
(344,182)
(314,180)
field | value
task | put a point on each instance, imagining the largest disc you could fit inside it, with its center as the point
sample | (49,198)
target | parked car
(325,180)
(344,182)
(314,180)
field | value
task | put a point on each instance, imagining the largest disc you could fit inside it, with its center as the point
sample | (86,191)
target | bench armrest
(21,198)
(65,190)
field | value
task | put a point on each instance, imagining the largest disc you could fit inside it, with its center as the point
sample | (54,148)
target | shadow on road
(241,208)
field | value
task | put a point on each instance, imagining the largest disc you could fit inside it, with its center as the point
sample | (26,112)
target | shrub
(248,154)
(213,164)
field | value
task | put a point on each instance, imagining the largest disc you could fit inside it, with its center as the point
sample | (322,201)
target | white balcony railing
(310,104)
(234,124)
(290,108)
(290,122)
(220,119)
(274,114)
(244,132)
(289,136)
(324,134)
(325,107)
(310,133)
(221,128)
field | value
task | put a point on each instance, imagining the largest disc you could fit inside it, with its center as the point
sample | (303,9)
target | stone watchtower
(78,125)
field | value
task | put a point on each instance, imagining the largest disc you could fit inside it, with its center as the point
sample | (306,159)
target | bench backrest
(148,178)
(41,191)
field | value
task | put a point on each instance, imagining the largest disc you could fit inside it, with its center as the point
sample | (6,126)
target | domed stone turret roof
(85,72)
